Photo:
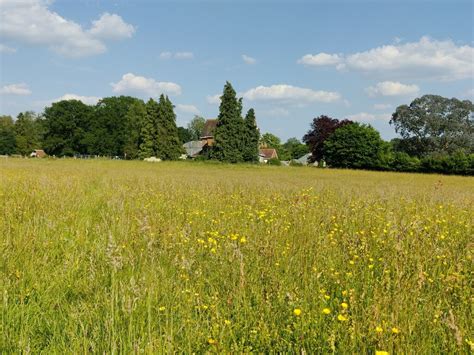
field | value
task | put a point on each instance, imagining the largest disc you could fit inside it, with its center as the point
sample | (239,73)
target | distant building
(38,153)
(206,140)
(265,154)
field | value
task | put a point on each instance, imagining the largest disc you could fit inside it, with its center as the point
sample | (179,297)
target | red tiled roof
(268,153)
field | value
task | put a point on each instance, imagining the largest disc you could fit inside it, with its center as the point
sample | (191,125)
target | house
(304,159)
(206,140)
(265,154)
(38,153)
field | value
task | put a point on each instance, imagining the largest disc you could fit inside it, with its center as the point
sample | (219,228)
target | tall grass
(129,257)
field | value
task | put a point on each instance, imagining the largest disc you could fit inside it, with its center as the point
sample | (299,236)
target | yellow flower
(344,305)
(341,318)
(227,322)
(326,311)
(162,308)
(211,341)
(297,311)
(378,329)
(395,330)
(379,352)
(243,240)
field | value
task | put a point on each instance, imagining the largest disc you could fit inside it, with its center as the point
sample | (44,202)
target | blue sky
(290,60)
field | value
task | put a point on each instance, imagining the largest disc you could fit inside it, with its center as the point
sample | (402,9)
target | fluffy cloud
(391,88)
(88,100)
(289,93)
(7,50)
(15,89)
(131,83)
(214,99)
(320,59)
(111,26)
(369,117)
(248,60)
(188,109)
(177,55)
(427,58)
(32,22)
(277,112)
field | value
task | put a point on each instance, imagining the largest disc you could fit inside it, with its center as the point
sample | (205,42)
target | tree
(28,132)
(356,146)
(66,123)
(230,128)
(294,149)
(321,128)
(168,144)
(268,140)
(184,135)
(252,136)
(435,124)
(148,133)
(195,127)
(7,135)
(135,119)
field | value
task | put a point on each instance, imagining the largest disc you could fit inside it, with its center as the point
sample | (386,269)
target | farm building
(38,153)
(265,154)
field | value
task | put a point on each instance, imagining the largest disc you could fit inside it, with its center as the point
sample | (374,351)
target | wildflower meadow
(129,257)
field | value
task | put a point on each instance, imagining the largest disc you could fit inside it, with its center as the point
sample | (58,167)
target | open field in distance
(130,257)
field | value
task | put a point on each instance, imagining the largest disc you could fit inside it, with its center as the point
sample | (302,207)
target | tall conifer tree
(149,130)
(230,131)
(168,143)
(252,136)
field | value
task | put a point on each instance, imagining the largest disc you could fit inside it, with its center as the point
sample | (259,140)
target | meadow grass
(130,257)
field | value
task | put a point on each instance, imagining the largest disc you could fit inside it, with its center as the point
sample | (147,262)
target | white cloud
(391,88)
(177,55)
(111,26)
(289,93)
(469,94)
(32,22)
(88,100)
(188,109)
(21,89)
(277,112)
(320,59)
(7,50)
(369,117)
(131,83)
(382,106)
(214,99)
(428,58)
(184,55)
(248,60)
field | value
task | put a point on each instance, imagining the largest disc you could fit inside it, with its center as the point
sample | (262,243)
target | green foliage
(434,124)
(168,144)
(135,118)
(251,137)
(230,129)
(148,130)
(195,128)
(66,124)
(7,136)
(269,140)
(28,133)
(401,161)
(293,149)
(274,161)
(184,135)
(354,145)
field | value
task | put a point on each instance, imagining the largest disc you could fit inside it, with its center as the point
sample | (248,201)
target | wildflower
(327,297)
(395,330)
(380,352)
(326,311)
(297,312)
(211,341)
(344,305)
(162,308)
(227,322)
(341,318)
(243,240)
(371,266)
(378,329)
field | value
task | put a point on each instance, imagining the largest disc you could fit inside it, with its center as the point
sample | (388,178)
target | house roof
(209,128)
(268,153)
(193,148)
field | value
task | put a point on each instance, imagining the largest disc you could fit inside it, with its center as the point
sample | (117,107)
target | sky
(289,60)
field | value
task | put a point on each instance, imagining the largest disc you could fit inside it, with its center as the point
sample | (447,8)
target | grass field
(130,257)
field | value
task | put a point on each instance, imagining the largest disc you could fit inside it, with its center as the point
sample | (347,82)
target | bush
(403,162)
(274,161)
(295,163)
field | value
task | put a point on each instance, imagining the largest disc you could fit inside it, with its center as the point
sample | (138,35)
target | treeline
(437,135)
